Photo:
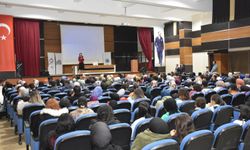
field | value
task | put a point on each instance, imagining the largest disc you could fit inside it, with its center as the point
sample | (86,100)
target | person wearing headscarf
(105,114)
(97,92)
(157,130)
(101,137)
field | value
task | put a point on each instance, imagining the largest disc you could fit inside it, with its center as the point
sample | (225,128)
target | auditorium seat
(45,96)
(137,102)
(60,95)
(123,105)
(84,121)
(53,92)
(154,101)
(196,95)
(140,127)
(72,108)
(108,93)
(227,137)
(245,136)
(174,93)
(202,118)
(166,144)
(227,98)
(113,90)
(171,120)
(104,99)
(238,99)
(76,140)
(198,140)
(96,106)
(222,91)
(160,111)
(222,115)
(121,134)
(187,106)
(123,115)
(46,90)
(208,95)
(155,92)
(247,96)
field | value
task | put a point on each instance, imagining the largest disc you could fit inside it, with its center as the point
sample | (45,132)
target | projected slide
(88,40)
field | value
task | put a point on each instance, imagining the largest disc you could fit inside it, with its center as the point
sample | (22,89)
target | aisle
(8,140)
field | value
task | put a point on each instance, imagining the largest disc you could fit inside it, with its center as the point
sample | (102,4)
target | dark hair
(105,114)
(233,87)
(64,102)
(244,112)
(138,93)
(82,101)
(104,85)
(77,90)
(65,124)
(114,96)
(200,102)
(197,87)
(183,92)
(53,83)
(26,98)
(113,104)
(184,125)
(157,125)
(217,99)
(143,110)
(204,83)
(170,106)
(244,88)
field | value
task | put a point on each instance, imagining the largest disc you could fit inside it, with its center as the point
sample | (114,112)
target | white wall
(200,62)
(200,20)
(171,62)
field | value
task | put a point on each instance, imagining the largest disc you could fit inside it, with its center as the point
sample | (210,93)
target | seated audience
(97,92)
(24,101)
(52,108)
(64,125)
(83,109)
(239,83)
(215,101)
(219,85)
(113,104)
(200,103)
(182,95)
(105,114)
(233,89)
(196,88)
(101,137)
(75,95)
(36,98)
(244,115)
(171,108)
(205,88)
(64,102)
(138,93)
(158,130)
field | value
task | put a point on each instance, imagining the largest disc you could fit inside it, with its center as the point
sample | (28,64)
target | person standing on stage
(159,44)
(81,62)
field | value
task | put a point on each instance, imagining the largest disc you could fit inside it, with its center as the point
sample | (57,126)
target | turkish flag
(7,56)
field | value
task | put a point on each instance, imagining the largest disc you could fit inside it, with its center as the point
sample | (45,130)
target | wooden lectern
(134,65)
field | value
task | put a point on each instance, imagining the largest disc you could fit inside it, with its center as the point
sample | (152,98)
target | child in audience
(64,125)
(101,137)
(157,130)
(171,108)
(83,109)
(215,101)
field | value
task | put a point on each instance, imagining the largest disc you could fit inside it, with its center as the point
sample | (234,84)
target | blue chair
(196,95)
(245,136)
(104,99)
(29,140)
(123,115)
(166,144)
(96,106)
(60,95)
(140,127)
(53,92)
(198,140)
(160,111)
(134,115)
(45,96)
(108,93)
(119,129)
(154,101)
(227,137)
(72,108)
(155,92)
(238,99)
(247,96)
(208,95)
(77,140)
(112,90)
(174,93)
(46,90)
(137,102)
(227,98)
(222,91)
(202,119)
(222,115)
(171,120)
(124,105)
(84,121)
(187,106)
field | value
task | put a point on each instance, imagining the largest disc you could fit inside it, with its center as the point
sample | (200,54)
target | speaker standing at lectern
(81,62)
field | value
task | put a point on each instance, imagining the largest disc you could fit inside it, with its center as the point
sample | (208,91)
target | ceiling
(115,12)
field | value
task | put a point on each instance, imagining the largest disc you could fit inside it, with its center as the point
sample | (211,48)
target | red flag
(7,57)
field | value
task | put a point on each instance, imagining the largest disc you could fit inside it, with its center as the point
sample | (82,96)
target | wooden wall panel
(214,36)
(52,30)
(222,62)
(182,34)
(186,55)
(196,41)
(172,45)
(241,32)
(109,38)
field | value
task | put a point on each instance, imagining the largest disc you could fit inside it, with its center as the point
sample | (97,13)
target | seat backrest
(155,92)
(141,126)
(45,96)
(238,99)
(222,115)
(160,111)
(171,120)
(154,101)
(27,110)
(104,99)
(60,95)
(202,118)
(246,135)
(46,90)
(121,134)
(166,144)
(227,136)
(227,98)
(53,92)
(123,115)
(196,95)
(137,102)
(247,95)
(84,121)
(187,106)
(44,129)
(76,140)
(208,95)
(222,91)
(198,140)
(124,105)
(96,106)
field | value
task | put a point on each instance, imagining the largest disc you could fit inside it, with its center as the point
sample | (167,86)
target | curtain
(242,9)
(27,45)
(221,11)
(146,41)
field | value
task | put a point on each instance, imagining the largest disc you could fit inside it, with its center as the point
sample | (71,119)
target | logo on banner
(6,27)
